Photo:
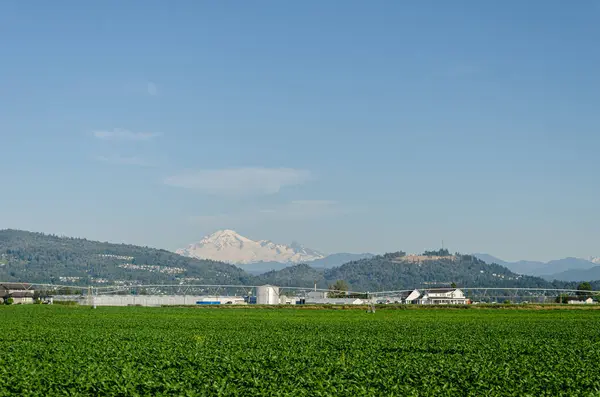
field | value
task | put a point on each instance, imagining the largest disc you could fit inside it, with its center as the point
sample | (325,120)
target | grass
(134,351)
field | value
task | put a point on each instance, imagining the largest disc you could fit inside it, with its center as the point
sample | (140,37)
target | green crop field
(71,351)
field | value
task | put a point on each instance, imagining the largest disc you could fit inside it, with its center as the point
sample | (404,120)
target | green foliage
(264,352)
(65,303)
(338,289)
(394,255)
(440,252)
(9,301)
(583,289)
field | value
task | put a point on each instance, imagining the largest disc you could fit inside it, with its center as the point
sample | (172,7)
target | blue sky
(348,126)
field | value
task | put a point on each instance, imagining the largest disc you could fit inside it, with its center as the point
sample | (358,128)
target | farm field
(134,351)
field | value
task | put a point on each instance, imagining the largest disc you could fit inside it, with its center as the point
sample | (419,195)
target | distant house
(21,293)
(579,300)
(443,296)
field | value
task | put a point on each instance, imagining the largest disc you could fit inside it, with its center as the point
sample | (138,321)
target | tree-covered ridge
(396,272)
(42,258)
(382,272)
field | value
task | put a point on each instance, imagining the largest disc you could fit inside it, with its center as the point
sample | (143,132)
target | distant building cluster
(67,279)
(119,257)
(153,268)
(23,293)
(416,258)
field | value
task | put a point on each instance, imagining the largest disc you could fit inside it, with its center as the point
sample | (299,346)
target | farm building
(21,293)
(443,296)
(267,295)
(288,300)
(579,300)
(410,296)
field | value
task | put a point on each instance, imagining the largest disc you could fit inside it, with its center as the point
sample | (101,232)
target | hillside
(396,271)
(576,275)
(542,269)
(294,276)
(41,258)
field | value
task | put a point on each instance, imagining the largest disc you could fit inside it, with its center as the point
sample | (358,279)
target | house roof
(577,298)
(440,290)
(22,294)
(15,286)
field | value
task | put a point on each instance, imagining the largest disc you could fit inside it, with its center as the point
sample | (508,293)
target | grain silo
(267,295)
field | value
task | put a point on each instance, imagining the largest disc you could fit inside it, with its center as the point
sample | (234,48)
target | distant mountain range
(566,269)
(263,255)
(41,258)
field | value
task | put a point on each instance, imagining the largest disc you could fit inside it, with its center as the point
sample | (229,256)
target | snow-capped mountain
(594,259)
(229,246)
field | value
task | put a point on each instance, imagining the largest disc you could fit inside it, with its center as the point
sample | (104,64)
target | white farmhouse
(443,296)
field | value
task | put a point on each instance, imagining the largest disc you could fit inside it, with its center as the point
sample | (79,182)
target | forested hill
(397,271)
(42,258)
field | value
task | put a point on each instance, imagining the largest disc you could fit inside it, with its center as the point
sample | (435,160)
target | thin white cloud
(124,160)
(120,134)
(151,88)
(239,181)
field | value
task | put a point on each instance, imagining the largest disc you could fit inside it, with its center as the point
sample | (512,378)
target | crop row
(74,351)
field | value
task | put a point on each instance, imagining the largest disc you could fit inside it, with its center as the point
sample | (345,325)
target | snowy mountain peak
(229,246)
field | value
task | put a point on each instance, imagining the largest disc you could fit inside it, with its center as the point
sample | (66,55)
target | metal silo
(267,295)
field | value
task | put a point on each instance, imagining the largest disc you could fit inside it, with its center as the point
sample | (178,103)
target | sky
(348,126)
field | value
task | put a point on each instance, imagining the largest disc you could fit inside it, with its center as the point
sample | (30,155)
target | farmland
(133,351)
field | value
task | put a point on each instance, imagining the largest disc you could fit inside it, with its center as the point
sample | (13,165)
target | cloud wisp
(124,160)
(120,134)
(239,181)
